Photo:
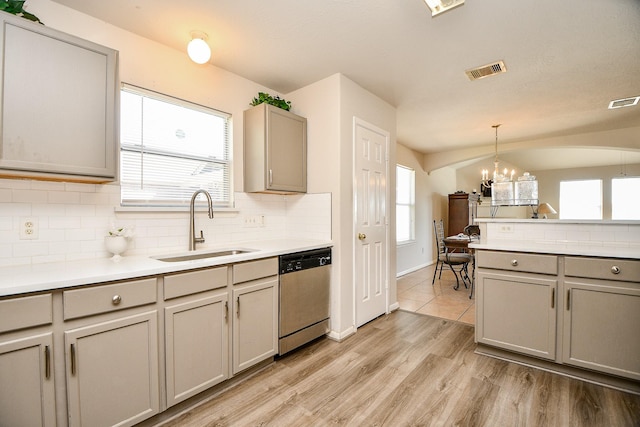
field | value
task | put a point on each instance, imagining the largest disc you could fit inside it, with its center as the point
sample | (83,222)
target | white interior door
(371,240)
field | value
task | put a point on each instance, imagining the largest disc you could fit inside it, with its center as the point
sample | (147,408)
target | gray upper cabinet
(59,105)
(275,151)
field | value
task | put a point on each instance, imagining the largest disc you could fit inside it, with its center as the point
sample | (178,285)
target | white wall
(330,106)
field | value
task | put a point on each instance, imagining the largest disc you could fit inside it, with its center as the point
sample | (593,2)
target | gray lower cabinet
(27,385)
(517,312)
(590,307)
(59,104)
(275,150)
(27,393)
(602,315)
(112,371)
(196,332)
(111,353)
(255,312)
(108,341)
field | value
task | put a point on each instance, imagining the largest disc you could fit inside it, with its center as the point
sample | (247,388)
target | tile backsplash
(587,235)
(70,221)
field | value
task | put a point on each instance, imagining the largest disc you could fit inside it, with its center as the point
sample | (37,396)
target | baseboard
(618,383)
(339,336)
(412,269)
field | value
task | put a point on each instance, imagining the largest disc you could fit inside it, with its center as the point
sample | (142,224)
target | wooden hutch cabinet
(458,213)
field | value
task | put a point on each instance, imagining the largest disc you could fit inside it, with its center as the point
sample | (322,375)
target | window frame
(226,163)
(628,197)
(562,204)
(411,204)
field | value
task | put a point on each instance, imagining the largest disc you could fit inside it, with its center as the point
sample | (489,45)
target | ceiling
(566,60)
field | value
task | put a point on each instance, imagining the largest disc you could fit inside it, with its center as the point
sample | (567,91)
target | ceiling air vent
(627,102)
(486,70)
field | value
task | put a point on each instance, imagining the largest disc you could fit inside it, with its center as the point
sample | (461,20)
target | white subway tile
(30,248)
(30,196)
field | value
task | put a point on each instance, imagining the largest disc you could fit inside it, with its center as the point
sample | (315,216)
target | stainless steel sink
(200,255)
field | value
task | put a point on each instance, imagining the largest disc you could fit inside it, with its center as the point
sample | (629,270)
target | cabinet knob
(117,299)
(514,262)
(615,269)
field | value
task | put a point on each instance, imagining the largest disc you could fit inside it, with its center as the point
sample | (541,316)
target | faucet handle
(199,239)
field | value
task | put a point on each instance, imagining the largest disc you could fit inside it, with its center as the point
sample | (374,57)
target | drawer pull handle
(615,269)
(226,310)
(238,306)
(514,262)
(116,300)
(47,362)
(553,297)
(73,359)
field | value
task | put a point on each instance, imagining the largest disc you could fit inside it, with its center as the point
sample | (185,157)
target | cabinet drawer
(177,285)
(517,261)
(102,299)
(252,270)
(25,312)
(603,268)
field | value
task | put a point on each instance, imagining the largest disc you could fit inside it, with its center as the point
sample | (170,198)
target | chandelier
(485,185)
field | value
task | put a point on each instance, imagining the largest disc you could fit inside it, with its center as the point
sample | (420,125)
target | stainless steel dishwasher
(305,279)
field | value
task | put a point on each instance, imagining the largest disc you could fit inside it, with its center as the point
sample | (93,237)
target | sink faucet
(192,235)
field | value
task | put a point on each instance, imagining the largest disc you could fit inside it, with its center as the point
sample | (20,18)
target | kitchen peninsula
(562,296)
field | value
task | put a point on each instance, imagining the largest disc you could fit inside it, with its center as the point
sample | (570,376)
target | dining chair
(450,257)
(473,231)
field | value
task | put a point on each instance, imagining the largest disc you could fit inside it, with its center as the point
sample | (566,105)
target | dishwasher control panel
(291,263)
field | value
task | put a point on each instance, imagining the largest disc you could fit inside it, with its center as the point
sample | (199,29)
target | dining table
(460,242)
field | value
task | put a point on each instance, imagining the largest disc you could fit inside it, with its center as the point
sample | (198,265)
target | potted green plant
(272,100)
(16,7)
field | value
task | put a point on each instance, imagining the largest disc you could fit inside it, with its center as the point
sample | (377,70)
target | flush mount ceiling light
(626,102)
(439,6)
(198,49)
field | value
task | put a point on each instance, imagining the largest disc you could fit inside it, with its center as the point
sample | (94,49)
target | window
(625,198)
(405,204)
(171,148)
(581,199)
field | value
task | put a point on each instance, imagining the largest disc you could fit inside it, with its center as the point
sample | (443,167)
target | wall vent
(626,102)
(486,70)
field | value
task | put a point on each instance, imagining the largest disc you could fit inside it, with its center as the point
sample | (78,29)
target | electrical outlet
(506,228)
(29,229)
(254,221)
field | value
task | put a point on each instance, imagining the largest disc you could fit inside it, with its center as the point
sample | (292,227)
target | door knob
(362,236)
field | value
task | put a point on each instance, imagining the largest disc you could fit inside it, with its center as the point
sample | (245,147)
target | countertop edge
(34,278)
(561,249)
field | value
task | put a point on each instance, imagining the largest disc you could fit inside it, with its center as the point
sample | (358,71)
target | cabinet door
(58,111)
(27,393)
(602,327)
(112,371)
(255,328)
(286,151)
(197,346)
(517,312)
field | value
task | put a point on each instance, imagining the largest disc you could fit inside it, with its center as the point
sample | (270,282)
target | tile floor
(415,293)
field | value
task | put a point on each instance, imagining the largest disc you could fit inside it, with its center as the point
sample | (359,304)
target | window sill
(172,209)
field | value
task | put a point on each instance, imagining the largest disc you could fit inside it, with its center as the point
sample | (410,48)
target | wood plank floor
(407,369)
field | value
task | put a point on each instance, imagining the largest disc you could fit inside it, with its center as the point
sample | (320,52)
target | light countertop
(57,275)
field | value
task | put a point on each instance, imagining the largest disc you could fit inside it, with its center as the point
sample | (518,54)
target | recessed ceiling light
(626,102)
(439,6)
